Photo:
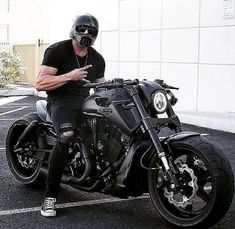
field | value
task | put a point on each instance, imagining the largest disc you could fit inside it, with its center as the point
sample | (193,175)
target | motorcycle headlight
(160,102)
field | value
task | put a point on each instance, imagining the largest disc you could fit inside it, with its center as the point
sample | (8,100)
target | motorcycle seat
(41,107)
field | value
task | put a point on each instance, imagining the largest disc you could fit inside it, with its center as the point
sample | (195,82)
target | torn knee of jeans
(66,137)
(68,133)
(66,127)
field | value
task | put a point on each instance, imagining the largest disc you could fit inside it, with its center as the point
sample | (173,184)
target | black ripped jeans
(65,113)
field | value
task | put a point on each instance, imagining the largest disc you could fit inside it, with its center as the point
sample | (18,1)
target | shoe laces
(49,203)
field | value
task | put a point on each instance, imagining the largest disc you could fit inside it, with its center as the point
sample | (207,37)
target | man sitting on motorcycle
(66,66)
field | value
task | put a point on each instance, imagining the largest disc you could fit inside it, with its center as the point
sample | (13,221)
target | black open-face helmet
(84,30)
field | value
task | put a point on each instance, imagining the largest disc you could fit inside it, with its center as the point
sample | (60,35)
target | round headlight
(160,102)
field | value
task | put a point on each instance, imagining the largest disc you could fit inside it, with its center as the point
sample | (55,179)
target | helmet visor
(86,30)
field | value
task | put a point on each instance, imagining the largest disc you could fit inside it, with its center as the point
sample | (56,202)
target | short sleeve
(52,56)
(101,68)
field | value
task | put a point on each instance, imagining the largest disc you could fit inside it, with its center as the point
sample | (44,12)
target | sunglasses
(85,29)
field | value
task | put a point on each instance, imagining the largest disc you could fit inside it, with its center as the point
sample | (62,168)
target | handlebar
(119,82)
(164,85)
(112,83)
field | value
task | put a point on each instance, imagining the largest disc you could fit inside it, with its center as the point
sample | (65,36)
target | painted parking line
(8,106)
(2,148)
(10,99)
(71,205)
(12,111)
(7,119)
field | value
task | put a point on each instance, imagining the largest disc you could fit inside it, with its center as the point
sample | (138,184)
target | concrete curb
(212,120)
(21,91)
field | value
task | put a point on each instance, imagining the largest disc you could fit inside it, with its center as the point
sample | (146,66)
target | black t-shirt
(62,56)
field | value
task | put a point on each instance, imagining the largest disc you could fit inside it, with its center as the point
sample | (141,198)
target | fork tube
(146,119)
(148,124)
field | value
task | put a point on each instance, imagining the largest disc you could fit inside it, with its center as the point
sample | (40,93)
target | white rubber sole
(49,213)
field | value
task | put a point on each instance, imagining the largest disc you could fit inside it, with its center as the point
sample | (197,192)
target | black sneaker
(48,207)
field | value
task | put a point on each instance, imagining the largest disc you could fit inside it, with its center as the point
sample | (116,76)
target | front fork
(148,124)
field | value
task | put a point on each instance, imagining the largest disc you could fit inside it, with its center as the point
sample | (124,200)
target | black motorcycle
(131,142)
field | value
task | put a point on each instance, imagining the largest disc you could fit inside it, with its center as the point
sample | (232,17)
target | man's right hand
(78,73)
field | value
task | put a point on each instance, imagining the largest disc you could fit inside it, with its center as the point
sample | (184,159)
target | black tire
(214,170)
(27,176)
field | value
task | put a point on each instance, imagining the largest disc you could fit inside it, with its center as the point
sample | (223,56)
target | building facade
(24,21)
(187,43)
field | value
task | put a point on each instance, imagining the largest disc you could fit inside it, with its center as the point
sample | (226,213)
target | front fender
(177,137)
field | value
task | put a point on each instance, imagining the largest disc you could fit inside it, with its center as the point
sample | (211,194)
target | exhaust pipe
(72,179)
(88,169)
(68,180)
(28,129)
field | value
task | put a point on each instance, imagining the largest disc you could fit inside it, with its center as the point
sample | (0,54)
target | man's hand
(78,74)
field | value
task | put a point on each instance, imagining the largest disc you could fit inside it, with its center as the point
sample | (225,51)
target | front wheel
(206,185)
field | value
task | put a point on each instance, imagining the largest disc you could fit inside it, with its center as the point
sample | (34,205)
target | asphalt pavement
(19,204)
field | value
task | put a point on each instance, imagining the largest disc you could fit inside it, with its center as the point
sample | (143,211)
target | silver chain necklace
(78,60)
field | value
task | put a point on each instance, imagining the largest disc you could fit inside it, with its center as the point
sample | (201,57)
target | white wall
(188,43)
(27,21)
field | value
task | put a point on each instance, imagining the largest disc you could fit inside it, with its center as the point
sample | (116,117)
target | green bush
(11,68)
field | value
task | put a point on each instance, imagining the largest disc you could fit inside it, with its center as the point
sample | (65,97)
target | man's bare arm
(48,81)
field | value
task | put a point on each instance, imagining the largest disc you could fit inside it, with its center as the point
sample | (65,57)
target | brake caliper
(178,197)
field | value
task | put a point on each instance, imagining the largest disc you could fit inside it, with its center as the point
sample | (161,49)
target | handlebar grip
(131,82)
(90,85)
(171,87)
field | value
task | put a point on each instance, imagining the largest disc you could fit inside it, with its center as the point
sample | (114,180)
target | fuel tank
(116,106)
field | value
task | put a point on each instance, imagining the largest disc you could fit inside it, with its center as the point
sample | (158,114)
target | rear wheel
(24,168)
(206,185)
